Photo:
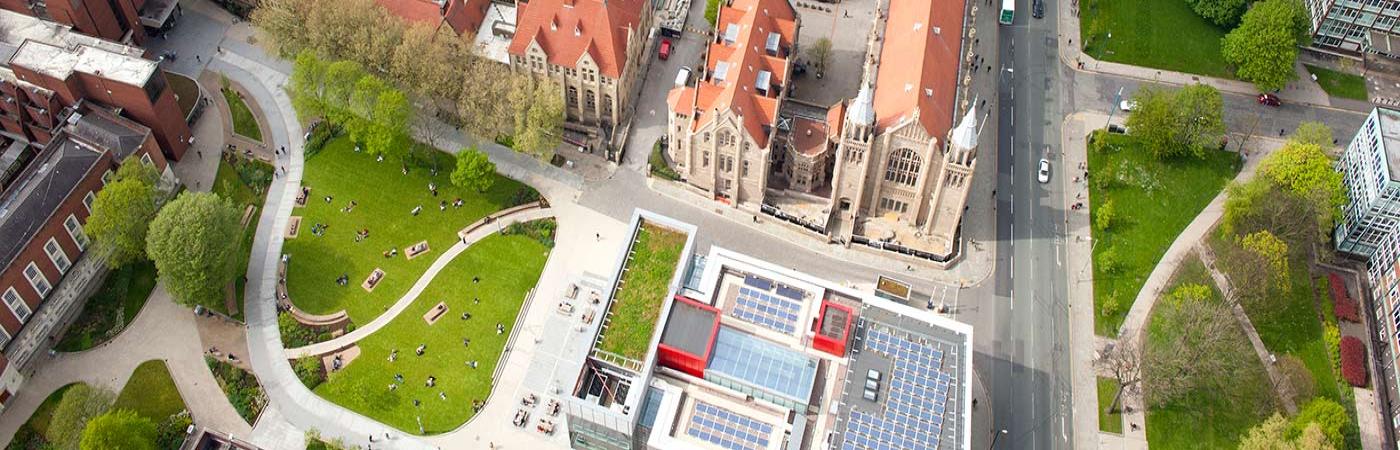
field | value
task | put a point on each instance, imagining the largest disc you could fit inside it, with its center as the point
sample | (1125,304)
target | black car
(1038,9)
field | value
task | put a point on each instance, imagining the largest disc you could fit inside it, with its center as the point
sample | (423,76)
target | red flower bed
(1343,306)
(1354,361)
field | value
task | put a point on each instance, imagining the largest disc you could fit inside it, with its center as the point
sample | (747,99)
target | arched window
(903,167)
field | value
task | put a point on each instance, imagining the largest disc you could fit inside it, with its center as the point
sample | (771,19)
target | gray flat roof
(688,328)
(57,50)
(1390,140)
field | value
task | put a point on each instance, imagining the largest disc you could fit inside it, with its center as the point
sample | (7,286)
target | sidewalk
(1301,91)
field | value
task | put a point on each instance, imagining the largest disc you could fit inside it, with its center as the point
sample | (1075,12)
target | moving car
(1043,174)
(1269,99)
(665,49)
(1038,9)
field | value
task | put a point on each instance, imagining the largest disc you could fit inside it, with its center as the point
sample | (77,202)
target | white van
(683,77)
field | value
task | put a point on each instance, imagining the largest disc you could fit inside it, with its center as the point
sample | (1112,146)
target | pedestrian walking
(198,153)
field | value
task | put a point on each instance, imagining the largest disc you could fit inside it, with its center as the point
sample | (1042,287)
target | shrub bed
(241,388)
(310,371)
(1354,361)
(1343,306)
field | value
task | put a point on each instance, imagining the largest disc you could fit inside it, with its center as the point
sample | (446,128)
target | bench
(373,280)
(416,249)
(301,197)
(435,313)
(293,227)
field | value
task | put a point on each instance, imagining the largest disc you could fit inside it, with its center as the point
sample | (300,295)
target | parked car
(1127,105)
(1117,129)
(1043,174)
(1269,99)
(665,49)
(683,76)
(1038,9)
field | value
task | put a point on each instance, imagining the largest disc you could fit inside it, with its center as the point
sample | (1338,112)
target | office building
(1356,26)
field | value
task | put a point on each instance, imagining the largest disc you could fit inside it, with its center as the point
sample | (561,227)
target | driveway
(649,115)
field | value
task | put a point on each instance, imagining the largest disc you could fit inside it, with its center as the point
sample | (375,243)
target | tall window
(37,280)
(75,231)
(590,101)
(57,255)
(17,306)
(88,199)
(903,167)
(573,96)
(4,338)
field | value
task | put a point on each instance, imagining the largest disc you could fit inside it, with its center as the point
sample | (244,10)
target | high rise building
(1359,26)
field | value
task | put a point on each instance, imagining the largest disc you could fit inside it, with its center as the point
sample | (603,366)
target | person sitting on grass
(442,395)
(432,381)
(472,363)
(393,355)
(466,342)
(421,348)
(466,316)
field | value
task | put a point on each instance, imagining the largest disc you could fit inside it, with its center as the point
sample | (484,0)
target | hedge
(1343,306)
(1354,361)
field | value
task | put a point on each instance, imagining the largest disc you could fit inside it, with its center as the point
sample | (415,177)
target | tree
(1194,350)
(819,54)
(122,211)
(1304,171)
(79,404)
(389,124)
(119,430)
(1268,435)
(1104,215)
(1260,205)
(1313,438)
(1200,121)
(479,106)
(1124,363)
(354,30)
(281,24)
(190,245)
(1268,257)
(426,61)
(1153,121)
(474,170)
(1223,13)
(307,83)
(1314,133)
(337,87)
(537,132)
(1331,417)
(1265,45)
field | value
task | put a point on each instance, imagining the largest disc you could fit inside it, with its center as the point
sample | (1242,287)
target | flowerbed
(1343,306)
(1354,361)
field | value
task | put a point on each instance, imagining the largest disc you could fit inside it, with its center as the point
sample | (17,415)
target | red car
(1269,99)
(665,49)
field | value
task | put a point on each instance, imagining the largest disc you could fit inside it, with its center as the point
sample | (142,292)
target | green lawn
(243,182)
(113,307)
(384,198)
(508,267)
(637,304)
(1161,34)
(151,392)
(1154,200)
(1111,422)
(1209,419)
(30,435)
(244,123)
(1339,84)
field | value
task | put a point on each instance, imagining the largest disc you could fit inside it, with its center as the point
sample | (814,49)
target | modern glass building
(756,367)
(1355,25)
(1371,176)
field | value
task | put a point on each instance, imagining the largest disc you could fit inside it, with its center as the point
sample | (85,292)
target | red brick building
(49,69)
(115,20)
(45,277)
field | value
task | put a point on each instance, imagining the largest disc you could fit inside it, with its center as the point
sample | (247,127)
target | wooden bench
(373,280)
(416,249)
(435,313)
(293,227)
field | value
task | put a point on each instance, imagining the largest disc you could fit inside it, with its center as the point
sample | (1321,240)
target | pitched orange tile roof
(566,29)
(425,11)
(835,118)
(464,16)
(745,59)
(809,136)
(919,64)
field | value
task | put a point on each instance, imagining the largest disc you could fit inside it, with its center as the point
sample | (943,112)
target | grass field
(1154,200)
(508,267)
(385,197)
(243,182)
(113,307)
(244,123)
(1161,34)
(151,392)
(1338,84)
(632,316)
(1209,419)
(1111,422)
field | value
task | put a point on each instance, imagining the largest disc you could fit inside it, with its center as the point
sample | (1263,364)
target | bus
(1008,11)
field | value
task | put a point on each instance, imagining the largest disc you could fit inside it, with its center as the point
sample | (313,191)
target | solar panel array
(728,429)
(916,401)
(766,310)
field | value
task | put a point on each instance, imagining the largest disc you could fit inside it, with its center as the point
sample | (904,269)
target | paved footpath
(162,330)
(407,299)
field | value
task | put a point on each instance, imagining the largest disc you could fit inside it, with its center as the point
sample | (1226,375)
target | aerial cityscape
(699,224)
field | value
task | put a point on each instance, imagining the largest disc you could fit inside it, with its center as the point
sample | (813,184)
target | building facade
(1356,26)
(127,21)
(46,274)
(592,49)
(1370,169)
(50,70)
(723,130)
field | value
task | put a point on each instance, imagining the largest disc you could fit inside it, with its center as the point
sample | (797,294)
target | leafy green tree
(1314,133)
(1263,267)
(1331,417)
(819,53)
(1303,170)
(1265,45)
(190,244)
(538,132)
(308,76)
(1153,121)
(1223,13)
(389,129)
(337,87)
(1268,435)
(80,404)
(122,211)
(474,170)
(1200,121)
(1104,215)
(122,429)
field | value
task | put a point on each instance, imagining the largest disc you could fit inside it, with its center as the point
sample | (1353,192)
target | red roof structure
(566,29)
(463,16)
(752,37)
(919,64)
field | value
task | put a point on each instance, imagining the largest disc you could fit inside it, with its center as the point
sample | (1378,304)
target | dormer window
(772,44)
(731,34)
(721,70)
(763,82)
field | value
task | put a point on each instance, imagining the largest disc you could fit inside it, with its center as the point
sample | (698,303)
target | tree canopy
(122,429)
(1265,45)
(1195,351)
(474,170)
(122,211)
(1303,170)
(371,110)
(1314,133)
(539,116)
(80,404)
(1223,13)
(190,243)
(1184,122)
(1329,416)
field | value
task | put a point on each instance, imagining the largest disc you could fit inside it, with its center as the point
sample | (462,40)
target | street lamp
(996,434)
(1114,106)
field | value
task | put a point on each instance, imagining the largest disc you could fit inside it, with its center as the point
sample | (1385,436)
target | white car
(1043,174)
(1127,105)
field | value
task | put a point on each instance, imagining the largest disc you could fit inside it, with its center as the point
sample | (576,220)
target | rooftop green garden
(642,288)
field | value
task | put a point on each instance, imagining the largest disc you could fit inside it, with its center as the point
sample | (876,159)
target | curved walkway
(407,299)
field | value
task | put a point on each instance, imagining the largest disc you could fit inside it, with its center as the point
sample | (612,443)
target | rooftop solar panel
(728,429)
(766,310)
(915,409)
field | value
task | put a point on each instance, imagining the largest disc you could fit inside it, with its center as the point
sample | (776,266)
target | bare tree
(1124,363)
(1189,346)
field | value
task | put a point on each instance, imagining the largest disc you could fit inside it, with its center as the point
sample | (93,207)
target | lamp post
(1114,107)
(996,434)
